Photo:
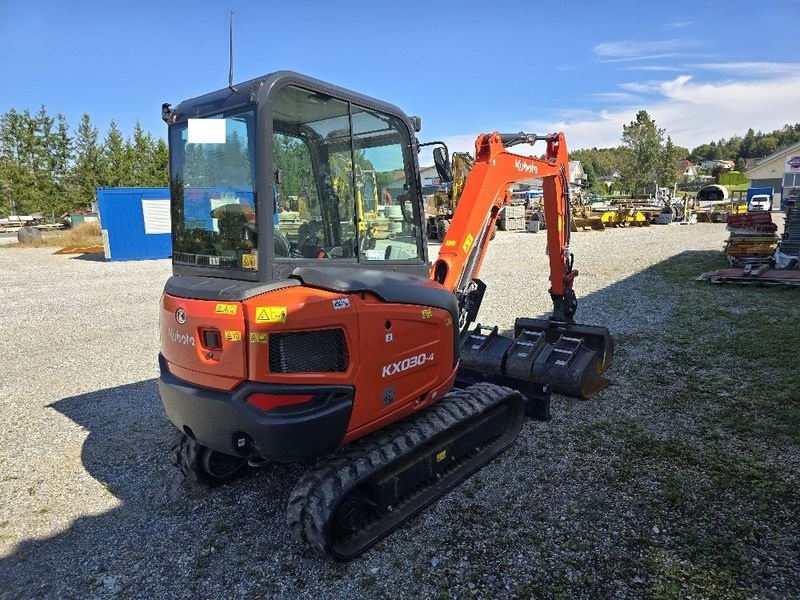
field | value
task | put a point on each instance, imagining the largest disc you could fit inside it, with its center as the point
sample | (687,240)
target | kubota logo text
(524,167)
(406,364)
(181,338)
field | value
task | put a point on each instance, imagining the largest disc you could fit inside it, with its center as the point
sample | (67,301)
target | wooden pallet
(753,276)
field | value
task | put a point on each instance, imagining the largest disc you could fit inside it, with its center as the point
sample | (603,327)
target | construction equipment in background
(442,204)
(583,217)
(287,343)
(624,216)
(367,200)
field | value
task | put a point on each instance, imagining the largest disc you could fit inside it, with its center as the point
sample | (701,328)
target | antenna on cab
(230,56)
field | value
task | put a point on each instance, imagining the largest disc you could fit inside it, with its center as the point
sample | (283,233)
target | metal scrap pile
(753,239)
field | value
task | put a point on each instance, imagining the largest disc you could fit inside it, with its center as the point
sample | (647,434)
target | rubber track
(315,498)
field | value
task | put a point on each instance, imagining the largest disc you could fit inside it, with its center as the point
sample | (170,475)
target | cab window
(345,191)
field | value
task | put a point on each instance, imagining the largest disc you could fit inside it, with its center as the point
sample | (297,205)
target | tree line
(647,155)
(46,168)
(751,145)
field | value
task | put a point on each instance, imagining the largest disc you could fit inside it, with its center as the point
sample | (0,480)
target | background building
(780,171)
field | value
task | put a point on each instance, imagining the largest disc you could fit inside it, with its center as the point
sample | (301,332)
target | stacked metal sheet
(790,244)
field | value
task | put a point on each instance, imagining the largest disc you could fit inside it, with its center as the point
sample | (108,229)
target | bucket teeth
(570,358)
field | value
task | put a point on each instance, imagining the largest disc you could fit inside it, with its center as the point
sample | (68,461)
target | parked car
(759,202)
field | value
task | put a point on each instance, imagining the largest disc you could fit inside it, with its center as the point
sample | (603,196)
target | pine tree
(159,164)
(61,157)
(749,144)
(140,156)
(87,172)
(667,170)
(18,147)
(116,168)
(642,140)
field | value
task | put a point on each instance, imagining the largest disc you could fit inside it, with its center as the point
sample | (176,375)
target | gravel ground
(90,505)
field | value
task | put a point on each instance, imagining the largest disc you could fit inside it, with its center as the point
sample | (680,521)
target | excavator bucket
(568,357)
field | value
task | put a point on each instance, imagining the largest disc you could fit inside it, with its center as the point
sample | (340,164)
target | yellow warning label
(427,313)
(249,261)
(449,243)
(271,314)
(233,336)
(226,309)
(258,338)
(440,456)
(467,243)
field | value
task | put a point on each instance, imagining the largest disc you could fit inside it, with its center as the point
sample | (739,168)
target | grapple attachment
(568,357)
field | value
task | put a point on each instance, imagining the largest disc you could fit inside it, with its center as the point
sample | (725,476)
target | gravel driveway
(90,505)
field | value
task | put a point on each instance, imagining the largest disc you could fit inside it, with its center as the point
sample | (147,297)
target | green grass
(723,379)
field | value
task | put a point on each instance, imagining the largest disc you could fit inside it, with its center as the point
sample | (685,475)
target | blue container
(135,222)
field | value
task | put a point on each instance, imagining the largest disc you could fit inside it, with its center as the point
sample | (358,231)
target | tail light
(270,401)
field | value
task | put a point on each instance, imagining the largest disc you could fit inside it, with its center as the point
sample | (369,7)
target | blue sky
(703,69)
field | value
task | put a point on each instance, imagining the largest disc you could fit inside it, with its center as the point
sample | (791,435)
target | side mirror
(442,162)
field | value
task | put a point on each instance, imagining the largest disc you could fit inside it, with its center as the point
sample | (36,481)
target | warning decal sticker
(271,314)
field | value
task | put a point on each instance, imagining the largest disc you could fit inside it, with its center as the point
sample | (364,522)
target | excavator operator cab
(288,172)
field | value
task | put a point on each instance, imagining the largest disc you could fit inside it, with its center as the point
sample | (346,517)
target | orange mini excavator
(293,330)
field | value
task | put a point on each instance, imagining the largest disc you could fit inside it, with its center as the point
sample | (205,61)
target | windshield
(213,194)
(344,188)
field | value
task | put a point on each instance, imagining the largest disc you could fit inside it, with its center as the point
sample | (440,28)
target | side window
(297,200)
(387,209)
(345,191)
(315,201)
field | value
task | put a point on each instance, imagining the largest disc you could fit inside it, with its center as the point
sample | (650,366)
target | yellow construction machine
(442,204)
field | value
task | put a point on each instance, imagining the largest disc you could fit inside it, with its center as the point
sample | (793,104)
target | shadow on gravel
(165,538)
(164,532)
(92,257)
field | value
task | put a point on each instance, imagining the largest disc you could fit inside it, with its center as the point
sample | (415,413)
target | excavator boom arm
(486,192)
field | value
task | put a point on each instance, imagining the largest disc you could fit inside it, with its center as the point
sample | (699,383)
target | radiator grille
(322,351)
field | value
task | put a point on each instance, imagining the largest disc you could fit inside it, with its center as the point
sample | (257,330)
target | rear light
(270,401)
(211,339)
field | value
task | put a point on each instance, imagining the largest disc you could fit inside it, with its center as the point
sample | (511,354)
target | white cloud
(640,87)
(626,48)
(615,96)
(692,112)
(656,68)
(625,51)
(752,68)
(676,25)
